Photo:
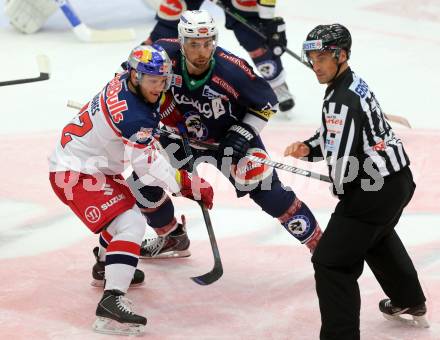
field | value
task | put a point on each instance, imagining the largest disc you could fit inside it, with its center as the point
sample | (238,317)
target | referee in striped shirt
(370,174)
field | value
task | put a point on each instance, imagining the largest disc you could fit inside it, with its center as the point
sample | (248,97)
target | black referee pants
(362,229)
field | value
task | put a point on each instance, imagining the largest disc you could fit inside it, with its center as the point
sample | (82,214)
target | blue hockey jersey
(231,92)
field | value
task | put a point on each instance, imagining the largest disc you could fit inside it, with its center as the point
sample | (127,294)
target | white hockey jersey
(111,132)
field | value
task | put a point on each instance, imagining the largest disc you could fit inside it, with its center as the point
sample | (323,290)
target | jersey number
(77,130)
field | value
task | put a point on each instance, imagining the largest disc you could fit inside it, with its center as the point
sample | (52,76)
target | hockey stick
(217,270)
(392,118)
(274,164)
(398,119)
(85,33)
(43,68)
(74,105)
(214,147)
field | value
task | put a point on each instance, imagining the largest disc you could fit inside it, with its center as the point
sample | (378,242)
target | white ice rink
(267,290)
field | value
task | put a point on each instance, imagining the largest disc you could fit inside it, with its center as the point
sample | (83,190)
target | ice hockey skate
(98,273)
(173,245)
(285,98)
(114,315)
(416,314)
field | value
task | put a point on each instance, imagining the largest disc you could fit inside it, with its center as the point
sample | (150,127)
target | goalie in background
(370,173)
(266,55)
(28,16)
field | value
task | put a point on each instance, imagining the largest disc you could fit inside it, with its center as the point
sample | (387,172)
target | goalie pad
(28,16)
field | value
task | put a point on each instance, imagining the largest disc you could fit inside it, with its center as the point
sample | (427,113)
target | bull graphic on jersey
(196,128)
(299,225)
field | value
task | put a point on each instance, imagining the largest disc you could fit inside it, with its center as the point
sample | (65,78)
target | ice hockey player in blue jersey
(266,54)
(219,99)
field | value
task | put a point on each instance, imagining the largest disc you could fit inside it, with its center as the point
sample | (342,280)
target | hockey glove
(195,188)
(239,138)
(275,31)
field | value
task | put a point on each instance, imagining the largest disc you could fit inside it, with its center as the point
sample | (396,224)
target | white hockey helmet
(196,24)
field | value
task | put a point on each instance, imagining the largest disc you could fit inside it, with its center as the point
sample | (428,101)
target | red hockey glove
(195,188)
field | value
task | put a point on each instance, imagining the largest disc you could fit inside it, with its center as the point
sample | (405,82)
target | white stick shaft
(43,63)
(399,120)
(87,34)
(84,33)
(74,105)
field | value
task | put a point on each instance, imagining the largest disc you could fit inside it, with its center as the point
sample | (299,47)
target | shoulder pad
(236,61)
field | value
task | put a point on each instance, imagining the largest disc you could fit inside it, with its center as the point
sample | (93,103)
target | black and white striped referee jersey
(354,130)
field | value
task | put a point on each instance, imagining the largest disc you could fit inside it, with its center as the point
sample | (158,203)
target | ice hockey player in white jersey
(111,132)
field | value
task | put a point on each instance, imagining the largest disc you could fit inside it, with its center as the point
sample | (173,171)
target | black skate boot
(417,313)
(173,245)
(114,315)
(98,273)
(285,98)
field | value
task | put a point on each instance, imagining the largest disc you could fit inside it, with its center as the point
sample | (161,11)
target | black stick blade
(43,67)
(211,277)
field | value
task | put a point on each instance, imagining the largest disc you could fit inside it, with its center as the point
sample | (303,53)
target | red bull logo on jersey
(115,106)
(144,135)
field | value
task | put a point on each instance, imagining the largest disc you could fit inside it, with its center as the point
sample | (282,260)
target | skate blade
(109,326)
(416,321)
(100,284)
(169,255)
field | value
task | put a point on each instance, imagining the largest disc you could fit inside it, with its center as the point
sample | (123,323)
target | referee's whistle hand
(297,150)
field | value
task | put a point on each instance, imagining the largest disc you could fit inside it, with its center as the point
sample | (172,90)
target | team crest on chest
(196,129)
